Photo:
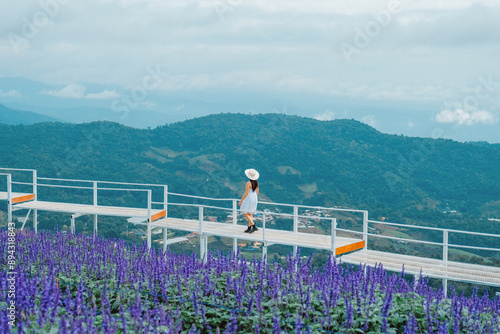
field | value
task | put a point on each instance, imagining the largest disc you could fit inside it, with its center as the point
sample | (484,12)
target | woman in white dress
(248,202)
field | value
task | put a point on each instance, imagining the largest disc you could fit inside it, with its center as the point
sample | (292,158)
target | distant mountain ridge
(14,117)
(301,160)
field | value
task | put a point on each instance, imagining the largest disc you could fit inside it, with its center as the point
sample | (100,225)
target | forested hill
(301,160)
(12,116)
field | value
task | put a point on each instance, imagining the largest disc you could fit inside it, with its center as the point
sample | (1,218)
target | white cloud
(459,115)
(327,115)
(370,120)
(147,104)
(104,95)
(73,91)
(10,93)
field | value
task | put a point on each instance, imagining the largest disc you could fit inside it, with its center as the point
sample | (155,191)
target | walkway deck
(83,209)
(307,240)
(456,271)
(16,197)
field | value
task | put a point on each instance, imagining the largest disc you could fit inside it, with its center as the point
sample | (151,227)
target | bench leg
(35,221)
(165,238)
(72,225)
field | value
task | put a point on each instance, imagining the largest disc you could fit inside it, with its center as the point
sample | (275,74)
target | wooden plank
(349,248)
(3,195)
(159,215)
(24,198)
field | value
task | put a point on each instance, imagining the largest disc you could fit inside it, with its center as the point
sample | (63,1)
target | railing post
(9,198)
(202,237)
(365,228)
(445,246)
(445,260)
(35,184)
(295,226)
(35,221)
(95,204)
(35,192)
(334,235)
(94,186)
(165,200)
(295,218)
(165,239)
(235,222)
(73,224)
(235,212)
(149,219)
(264,244)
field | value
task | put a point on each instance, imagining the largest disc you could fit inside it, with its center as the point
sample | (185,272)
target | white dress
(249,204)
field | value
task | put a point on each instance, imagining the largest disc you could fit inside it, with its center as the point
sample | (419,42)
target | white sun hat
(252,174)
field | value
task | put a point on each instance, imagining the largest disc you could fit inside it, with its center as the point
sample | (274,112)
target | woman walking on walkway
(248,202)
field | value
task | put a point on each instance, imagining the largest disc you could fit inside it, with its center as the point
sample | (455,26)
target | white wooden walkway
(352,250)
(455,271)
(83,209)
(272,236)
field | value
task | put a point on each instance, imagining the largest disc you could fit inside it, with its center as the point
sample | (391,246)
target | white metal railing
(32,171)
(9,196)
(444,244)
(265,214)
(295,214)
(96,186)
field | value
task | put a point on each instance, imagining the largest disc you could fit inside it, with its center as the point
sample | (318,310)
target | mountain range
(13,117)
(135,106)
(301,160)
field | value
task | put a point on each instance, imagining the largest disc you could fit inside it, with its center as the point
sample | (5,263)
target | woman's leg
(249,217)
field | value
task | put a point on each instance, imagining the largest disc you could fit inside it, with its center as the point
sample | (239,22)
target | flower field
(81,284)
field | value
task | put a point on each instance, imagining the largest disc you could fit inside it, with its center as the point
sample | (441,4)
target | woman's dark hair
(255,184)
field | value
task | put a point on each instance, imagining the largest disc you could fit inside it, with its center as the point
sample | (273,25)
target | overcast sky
(439,54)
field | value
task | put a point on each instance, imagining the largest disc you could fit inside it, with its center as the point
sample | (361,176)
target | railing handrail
(19,169)
(271,203)
(202,197)
(23,183)
(92,188)
(267,213)
(105,182)
(436,229)
(61,186)
(433,242)
(314,207)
